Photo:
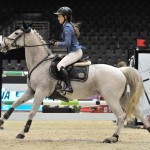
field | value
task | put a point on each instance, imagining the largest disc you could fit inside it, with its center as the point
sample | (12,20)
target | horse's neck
(34,54)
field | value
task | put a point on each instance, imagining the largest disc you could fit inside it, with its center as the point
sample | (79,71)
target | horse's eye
(16,33)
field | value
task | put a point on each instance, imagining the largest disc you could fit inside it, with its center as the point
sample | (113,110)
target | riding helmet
(65,11)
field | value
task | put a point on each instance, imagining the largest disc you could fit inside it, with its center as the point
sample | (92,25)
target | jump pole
(59,103)
(14,73)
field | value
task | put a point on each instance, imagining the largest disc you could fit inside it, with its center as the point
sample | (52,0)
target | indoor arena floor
(71,135)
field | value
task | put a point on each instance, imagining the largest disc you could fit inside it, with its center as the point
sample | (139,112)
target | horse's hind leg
(25,97)
(38,98)
(137,113)
(119,113)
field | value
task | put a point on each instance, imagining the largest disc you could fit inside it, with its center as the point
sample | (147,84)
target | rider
(70,36)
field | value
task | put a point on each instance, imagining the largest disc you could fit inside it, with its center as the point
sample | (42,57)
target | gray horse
(106,80)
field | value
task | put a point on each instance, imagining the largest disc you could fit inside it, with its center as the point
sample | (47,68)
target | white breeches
(70,58)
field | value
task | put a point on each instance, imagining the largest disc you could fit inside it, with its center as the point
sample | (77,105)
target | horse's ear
(16,28)
(31,24)
(24,25)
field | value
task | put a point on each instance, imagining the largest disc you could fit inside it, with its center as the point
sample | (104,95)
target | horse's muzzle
(4,50)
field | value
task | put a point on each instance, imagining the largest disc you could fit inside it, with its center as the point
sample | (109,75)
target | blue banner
(13,96)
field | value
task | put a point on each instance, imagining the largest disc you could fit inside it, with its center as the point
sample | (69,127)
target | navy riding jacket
(69,38)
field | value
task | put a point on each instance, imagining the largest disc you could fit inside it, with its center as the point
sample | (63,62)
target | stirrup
(67,89)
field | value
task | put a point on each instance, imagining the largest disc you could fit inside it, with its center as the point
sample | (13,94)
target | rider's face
(61,19)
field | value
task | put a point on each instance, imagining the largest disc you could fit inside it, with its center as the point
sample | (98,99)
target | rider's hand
(56,44)
(61,55)
(53,42)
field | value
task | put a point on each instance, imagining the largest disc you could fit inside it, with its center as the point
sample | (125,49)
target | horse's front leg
(24,98)
(38,98)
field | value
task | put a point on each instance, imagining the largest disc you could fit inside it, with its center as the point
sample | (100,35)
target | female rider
(70,36)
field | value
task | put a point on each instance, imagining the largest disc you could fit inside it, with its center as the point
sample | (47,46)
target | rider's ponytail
(76,28)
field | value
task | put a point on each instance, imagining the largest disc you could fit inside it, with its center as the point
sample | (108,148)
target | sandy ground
(71,135)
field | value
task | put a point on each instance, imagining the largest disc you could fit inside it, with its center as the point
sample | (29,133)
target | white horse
(106,80)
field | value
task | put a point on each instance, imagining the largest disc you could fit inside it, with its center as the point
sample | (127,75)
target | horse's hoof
(111,140)
(1,128)
(106,141)
(20,136)
(1,122)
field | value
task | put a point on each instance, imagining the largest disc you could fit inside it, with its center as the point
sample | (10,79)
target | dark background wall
(109,29)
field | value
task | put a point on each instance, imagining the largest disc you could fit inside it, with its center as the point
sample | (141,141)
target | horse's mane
(43,42)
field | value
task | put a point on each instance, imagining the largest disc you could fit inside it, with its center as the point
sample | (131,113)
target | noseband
(14,43)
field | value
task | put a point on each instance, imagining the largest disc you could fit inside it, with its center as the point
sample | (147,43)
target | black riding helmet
(65,11)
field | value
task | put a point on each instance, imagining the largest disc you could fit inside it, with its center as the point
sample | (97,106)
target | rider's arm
(67,38)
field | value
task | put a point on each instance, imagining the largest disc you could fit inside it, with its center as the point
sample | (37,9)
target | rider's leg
(67,60)
(66,79)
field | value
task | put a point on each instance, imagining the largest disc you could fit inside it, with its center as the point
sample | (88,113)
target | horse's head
(16,39)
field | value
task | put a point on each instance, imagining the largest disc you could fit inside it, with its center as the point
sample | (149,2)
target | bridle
(14,43)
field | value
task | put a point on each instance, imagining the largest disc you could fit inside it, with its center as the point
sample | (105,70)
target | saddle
(77,71)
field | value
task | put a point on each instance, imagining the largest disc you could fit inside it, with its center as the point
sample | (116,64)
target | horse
(108,81)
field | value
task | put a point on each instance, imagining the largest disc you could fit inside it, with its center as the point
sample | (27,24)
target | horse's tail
(135,82)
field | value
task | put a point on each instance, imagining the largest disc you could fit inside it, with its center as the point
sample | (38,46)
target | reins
(29,74)
(38,45)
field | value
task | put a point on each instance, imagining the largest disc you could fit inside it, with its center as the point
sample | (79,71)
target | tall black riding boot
(66,79)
